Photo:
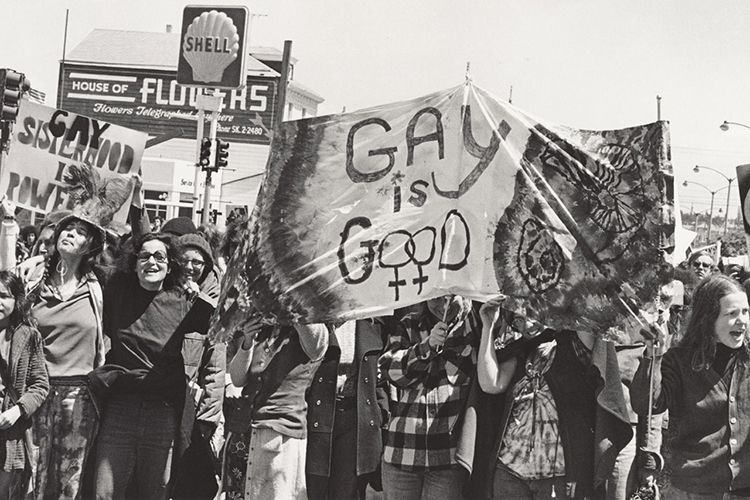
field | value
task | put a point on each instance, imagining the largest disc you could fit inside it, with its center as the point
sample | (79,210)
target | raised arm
(667,380)
(240,364)
(494,376)
(314,340)
(8,235)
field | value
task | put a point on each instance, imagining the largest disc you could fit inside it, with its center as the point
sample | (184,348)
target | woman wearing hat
(67,305)
(205,368)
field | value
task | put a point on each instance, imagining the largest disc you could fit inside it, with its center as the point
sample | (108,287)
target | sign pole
(283,82)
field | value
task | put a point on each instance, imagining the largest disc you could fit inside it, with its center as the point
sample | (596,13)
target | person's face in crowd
(193,264)
(75,238)
(152,265)
(702,266)
(7,305)
(525,326)
(46,241)
(734,272)
(730,327)
(30,239)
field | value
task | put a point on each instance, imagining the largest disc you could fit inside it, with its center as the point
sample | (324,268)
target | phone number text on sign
(242,129)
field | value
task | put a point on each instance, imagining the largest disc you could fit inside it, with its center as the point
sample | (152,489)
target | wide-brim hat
(101,232)
(93,199)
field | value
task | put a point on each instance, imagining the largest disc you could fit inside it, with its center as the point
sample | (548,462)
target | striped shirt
(433,388)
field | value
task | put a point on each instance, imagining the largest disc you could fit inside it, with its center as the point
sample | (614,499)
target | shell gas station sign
(212,46)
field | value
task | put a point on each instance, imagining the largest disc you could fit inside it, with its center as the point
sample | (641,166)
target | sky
(581,63)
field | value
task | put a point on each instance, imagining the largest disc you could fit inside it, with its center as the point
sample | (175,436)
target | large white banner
(456,192)
(58,159)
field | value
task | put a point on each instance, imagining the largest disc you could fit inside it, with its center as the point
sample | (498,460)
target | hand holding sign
(438,334)
(7,209)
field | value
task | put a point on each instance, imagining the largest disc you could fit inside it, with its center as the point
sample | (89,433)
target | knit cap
(179,226)
(194,240)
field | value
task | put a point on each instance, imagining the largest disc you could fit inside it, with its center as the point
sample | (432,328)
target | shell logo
(211,43)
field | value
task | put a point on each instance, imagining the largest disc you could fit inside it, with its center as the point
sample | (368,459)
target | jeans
(506,485)
(134,448)
(13,482)
(445,484)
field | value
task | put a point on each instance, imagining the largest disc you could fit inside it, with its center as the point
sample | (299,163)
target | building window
(155,211)
(150,194)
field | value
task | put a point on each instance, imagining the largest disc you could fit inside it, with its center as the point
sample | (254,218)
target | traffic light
(12,85)
(222,154)
(205,155)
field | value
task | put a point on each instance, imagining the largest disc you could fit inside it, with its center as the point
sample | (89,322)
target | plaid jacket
(433,389)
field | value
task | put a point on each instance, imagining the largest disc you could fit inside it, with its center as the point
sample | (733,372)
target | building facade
(129,78)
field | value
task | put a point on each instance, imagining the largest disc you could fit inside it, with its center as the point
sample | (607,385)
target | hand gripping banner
(455,192)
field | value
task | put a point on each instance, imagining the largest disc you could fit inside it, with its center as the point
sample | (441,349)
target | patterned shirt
(531,446)
(433,388)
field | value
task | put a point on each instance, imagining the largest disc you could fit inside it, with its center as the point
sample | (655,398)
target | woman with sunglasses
(146,315)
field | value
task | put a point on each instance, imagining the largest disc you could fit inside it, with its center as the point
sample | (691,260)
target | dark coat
(30,384)
(371,404)
(611,427)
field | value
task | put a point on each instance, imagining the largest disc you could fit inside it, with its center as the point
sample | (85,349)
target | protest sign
(455,192)
(56,155)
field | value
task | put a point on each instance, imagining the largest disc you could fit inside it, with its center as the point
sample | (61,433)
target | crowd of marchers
(111,388)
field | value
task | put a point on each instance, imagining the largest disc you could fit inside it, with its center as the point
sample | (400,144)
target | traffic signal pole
(204,103)
(207,190)
(12,87)
(196,181)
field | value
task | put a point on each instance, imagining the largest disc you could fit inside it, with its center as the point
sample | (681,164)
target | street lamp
(711,211)
(697,168)
(725,126)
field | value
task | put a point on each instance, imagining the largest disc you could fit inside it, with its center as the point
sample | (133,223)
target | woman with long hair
(66,298)
(146,315)
(24,385)
(704,382)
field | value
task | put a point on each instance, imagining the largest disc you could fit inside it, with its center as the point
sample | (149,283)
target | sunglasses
(195,263)
(159,257)
(704,265)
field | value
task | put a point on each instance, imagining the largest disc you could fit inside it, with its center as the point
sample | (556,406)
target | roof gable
(140,49)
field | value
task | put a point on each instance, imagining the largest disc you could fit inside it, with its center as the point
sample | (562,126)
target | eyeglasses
(193,262)
(159,257)
(704,265)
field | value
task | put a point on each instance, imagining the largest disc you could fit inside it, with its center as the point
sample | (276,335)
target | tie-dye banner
(455,192)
